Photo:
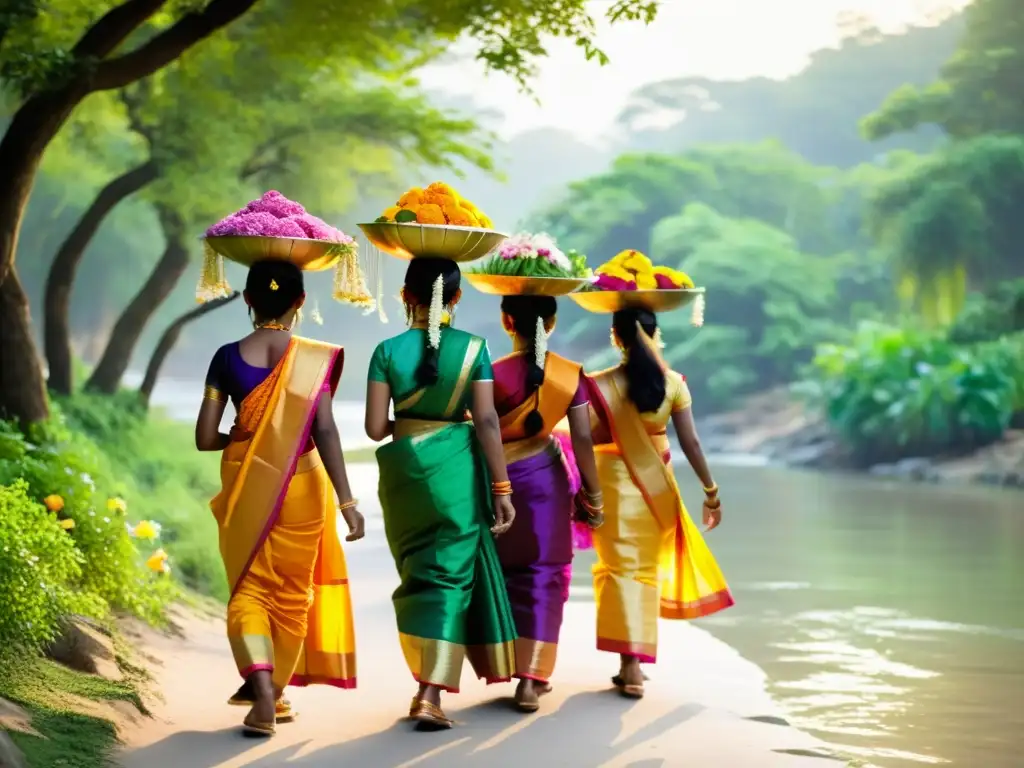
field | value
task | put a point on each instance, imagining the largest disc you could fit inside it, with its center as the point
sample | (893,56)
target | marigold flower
(459,216)
(147,530)
(158,562)
(429,213)
(389,213)
(634,261)
(485,221)
(441,188)
(67,524)
(612,270)
(117,505)
(645,281)
(674,276)
(411,198)
(54,503)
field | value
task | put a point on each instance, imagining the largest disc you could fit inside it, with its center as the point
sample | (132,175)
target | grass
(52,695)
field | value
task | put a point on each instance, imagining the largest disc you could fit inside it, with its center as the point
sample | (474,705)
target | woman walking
(289,618)
(534,390)
(444,491)
(646,524)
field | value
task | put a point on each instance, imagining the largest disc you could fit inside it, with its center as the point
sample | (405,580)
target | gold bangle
(212,393)
(712,490)
(712,502)
(501,487)
(348,505)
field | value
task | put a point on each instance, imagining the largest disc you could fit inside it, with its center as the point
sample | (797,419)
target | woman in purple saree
(533,391)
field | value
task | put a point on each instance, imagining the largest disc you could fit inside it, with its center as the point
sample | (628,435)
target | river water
(889,617)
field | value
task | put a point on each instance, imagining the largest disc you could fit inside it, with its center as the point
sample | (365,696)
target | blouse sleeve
(483,371)
(216,377)
(379,365)
(581,397)
(681,399)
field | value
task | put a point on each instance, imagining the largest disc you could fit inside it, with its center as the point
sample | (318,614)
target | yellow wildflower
(429,213)
(117,505)
(54,503)
(158,562)
(146,530)
(389,213)
(67,524)
(413,197)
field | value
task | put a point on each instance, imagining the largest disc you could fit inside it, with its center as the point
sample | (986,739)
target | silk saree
(652,558)
(434,489)
(536,553)
(290,610)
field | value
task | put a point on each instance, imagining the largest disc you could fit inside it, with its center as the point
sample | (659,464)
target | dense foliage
(897,392)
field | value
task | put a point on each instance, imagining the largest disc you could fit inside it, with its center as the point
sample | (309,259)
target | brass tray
(308,255)
(515,285)
(444,241)
(653,300)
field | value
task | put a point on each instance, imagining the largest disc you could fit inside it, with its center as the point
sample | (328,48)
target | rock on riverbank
(774,426)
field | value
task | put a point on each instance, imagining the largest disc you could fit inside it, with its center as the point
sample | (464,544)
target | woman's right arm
(211,411)
(378,397)
(583,446)
(488,434)
(686,431)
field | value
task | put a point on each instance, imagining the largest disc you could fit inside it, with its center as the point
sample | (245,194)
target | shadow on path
(581,733)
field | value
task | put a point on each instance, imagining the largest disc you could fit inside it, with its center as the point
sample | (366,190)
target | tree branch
(103,37)
(169,44)
(170,338)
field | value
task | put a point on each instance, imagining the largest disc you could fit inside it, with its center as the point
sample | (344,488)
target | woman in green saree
(444,491)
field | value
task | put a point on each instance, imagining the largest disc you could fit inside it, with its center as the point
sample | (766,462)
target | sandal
(533,706)
(283,712)
(254,728)
(429,717)
(630,691)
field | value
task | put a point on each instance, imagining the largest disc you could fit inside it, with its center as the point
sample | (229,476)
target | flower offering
(526,255)
(274,215)
(437,204)
(632,271)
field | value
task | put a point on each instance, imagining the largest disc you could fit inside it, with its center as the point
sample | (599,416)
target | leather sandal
(430,717)
(630,691)
(283,712)
(533,706)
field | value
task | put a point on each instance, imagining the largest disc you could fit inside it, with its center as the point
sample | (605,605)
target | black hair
(644,376)
(524,311)
(273,287)
(419,287)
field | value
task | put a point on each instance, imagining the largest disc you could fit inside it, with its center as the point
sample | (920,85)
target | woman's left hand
(712,514)
(504,514)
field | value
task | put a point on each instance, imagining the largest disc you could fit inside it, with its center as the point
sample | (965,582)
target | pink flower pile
(274,215)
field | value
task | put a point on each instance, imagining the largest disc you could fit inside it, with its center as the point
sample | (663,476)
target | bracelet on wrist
(348,505)
(501,488)
(711,490)
(712,502)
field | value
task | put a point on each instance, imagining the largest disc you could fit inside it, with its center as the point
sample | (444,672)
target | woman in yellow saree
(652,559)
(289,618)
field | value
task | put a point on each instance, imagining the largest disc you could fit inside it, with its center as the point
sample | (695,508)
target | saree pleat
(451,603)
(434,490)
(652,559)
(536,559)
(277,527)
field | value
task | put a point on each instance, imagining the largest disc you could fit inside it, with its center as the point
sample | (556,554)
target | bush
(898,392)
(39,568)
(53,462)
(988,317)
(157,461)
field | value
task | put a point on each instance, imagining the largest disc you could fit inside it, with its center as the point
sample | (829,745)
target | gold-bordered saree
(652,559)
(290,609)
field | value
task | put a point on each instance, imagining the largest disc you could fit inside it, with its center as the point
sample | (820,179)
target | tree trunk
(22,392)
(117,355)
(59,281)
(170,338)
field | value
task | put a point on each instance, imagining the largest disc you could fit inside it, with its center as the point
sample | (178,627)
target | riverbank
(779,430)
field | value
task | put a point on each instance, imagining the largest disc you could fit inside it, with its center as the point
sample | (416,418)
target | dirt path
(705,705)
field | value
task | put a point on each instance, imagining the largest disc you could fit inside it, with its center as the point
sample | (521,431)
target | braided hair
(272,287)
(644,376)
(529,316)
(431,282)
